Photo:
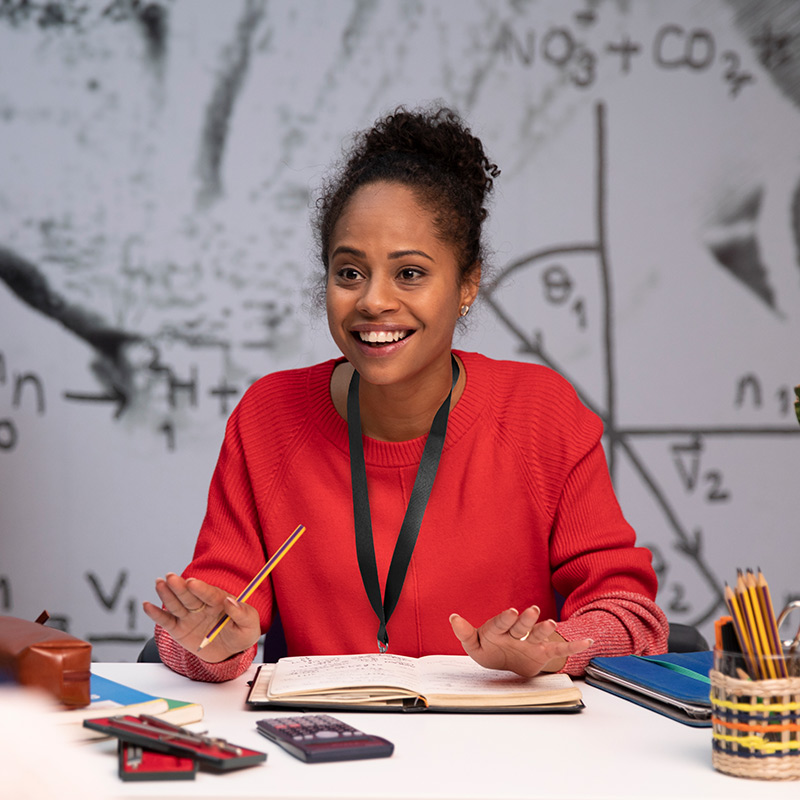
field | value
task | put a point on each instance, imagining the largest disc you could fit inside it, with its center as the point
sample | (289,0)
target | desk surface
(612,749)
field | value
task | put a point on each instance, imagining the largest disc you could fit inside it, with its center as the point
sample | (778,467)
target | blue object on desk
(673,684)
(103,689)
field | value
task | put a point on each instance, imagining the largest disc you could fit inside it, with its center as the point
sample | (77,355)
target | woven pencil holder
(756,727)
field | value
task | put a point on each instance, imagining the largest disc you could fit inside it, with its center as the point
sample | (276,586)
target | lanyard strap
(407,538)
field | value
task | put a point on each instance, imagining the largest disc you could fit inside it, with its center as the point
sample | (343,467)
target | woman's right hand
(192,607)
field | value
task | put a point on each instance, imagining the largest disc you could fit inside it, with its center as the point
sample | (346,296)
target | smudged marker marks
(236,60)
(112,367)
(153,22)
(734,244)
(5,593)
(773,31)
(795,222)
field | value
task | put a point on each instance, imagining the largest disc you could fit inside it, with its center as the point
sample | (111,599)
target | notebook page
(460,675)
(317,673)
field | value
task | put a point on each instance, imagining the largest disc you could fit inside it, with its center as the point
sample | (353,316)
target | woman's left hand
(517,642)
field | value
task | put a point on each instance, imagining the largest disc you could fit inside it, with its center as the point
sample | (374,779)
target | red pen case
(151,733)
(137,763)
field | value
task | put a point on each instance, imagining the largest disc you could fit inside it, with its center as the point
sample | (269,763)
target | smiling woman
(431,481)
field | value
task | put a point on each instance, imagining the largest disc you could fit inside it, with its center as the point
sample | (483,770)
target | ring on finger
(195,610)
(519,638)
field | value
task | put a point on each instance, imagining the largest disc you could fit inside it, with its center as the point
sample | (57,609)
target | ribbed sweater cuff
(620,624)
(180,660)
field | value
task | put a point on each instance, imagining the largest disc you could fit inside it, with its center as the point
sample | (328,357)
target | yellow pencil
(768,667)
(738,626)
(750,624)
(768,612)
(255,583)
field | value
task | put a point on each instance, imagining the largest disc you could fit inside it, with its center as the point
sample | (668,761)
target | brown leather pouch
(47,658)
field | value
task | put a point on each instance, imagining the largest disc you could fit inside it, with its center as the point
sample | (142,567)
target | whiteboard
(159,163)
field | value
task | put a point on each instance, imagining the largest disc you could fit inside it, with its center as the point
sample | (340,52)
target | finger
(174,616)
(188,593)
(530,616)
(169,599)
(240,613)
(465,633)
(578,646)
(542,631)
(565,649)
(502,623)
(208,594)
(158,615)
(173,586)
(524,623)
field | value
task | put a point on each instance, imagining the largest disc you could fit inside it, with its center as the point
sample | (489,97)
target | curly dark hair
(432,152)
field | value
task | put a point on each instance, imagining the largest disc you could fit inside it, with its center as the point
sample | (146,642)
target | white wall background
(157,163)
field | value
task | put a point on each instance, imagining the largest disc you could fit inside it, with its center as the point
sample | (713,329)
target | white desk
(612,749)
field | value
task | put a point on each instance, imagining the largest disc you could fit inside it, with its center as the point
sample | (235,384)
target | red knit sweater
(522,511)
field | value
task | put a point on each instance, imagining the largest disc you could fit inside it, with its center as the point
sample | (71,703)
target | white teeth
(381,336)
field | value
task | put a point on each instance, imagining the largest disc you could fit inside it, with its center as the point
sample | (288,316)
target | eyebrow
(404,253)
(393,255)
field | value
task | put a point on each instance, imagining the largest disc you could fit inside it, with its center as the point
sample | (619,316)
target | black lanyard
(407,538)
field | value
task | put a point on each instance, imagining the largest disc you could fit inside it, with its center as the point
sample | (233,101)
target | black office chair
(685,639)
(149,652)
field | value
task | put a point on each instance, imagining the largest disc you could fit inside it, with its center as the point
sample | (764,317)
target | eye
(347,274)
(410,274)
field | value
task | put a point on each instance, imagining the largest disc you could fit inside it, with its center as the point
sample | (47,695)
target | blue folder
(673,684)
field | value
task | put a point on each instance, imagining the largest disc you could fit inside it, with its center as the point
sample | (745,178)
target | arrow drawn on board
(114,396)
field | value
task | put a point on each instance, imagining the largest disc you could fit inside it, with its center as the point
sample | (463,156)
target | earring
(464,310)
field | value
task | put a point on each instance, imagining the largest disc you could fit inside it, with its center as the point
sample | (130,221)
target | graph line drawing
(621,440)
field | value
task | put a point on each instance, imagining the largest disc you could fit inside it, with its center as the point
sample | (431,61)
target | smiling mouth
(380,338)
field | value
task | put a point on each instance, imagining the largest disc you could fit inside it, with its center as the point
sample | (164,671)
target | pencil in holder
(755,723)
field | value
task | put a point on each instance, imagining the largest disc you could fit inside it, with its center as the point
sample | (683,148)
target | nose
(378,296)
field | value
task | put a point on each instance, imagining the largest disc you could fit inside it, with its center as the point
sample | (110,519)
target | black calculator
(318,737)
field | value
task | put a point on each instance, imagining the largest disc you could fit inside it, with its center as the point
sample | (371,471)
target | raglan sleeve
(606,580)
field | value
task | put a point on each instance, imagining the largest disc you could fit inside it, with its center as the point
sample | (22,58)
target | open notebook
(390,682)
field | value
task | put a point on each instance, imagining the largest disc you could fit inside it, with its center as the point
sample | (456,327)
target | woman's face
(393,289)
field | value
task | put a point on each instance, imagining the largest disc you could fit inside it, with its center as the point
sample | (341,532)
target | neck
(397,413)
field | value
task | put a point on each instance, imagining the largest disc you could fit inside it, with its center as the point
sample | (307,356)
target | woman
(515,510)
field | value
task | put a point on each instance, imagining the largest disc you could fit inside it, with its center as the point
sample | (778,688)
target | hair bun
(431,152)
(440,136)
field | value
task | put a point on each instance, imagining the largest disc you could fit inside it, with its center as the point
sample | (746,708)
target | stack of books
(109,696)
